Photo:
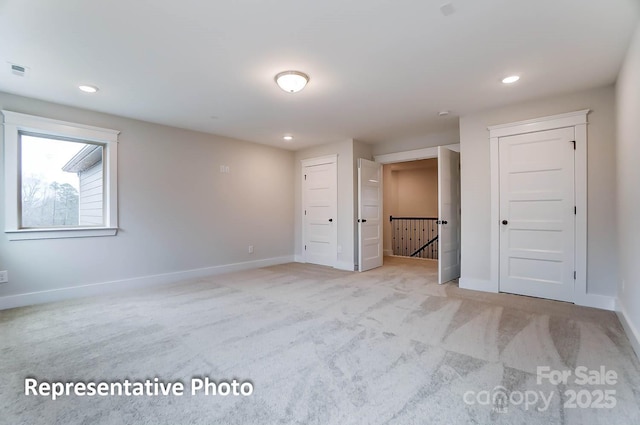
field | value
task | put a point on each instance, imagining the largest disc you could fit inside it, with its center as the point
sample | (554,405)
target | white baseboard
(344,265)
(629,328)
(20,300)
(340,265)
(602,302)
(387,252)
(477,284)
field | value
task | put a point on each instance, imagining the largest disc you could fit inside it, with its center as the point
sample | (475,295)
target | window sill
(78,232)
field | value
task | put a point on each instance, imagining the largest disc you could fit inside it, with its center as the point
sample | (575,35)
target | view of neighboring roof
(86,158)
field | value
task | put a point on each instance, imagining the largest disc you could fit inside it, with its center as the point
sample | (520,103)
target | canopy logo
(500,399)
(578,395)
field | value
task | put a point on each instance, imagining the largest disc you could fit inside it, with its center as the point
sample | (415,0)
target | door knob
(330,220)
(442,222)
(364,220)
(505,222)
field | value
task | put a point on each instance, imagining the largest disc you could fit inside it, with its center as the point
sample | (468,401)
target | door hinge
(305,212)
(575,210)
(305,247)
(574,144)
(574,275)
(305,176)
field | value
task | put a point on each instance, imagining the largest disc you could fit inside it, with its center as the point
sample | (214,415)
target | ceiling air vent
(18,70)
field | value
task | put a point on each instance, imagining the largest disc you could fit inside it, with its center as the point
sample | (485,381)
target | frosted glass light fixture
(292,81)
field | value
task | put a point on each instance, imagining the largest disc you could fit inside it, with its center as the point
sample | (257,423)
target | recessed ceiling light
(443,113)
(288,138)
(292,81)
(88,89)
(510,79)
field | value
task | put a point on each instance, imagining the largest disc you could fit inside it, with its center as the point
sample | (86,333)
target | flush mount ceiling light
(292,81)
(288,138)
(88,89)
(510,79)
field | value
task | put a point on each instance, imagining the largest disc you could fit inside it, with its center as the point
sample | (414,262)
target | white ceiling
(380,69)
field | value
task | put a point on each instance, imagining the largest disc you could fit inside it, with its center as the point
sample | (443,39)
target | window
(60,178)
(61,182)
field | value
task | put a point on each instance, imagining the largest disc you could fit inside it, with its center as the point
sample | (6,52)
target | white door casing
(537,201)
(448,215)
(320,208)
(578,121)
(370,253)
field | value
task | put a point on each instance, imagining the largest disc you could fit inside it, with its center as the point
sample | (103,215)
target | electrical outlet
(4,276)
(250,249)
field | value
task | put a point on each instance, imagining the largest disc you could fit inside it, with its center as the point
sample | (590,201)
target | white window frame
(14,124)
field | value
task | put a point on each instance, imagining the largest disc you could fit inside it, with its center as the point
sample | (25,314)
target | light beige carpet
(320,346)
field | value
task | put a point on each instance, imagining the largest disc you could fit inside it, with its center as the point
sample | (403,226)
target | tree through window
(61,182)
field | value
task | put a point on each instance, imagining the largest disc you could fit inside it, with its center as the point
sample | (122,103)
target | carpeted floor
(321,346)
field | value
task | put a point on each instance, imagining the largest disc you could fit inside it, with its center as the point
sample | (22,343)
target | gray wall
(602,269)
(449,136)
(177,211)
(628,184)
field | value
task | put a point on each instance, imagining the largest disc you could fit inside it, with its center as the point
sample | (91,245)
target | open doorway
(421,207)
(410,209)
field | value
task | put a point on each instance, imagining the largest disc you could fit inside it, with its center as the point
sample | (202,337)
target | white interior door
(537,213)
(320,190)
(448,214)
(369,215)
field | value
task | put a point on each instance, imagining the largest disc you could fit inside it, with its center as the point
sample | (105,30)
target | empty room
(289,212)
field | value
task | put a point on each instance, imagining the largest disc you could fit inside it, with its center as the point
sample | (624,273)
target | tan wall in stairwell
(410,189)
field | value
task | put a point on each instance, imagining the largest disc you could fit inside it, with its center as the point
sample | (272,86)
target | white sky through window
(44,158)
